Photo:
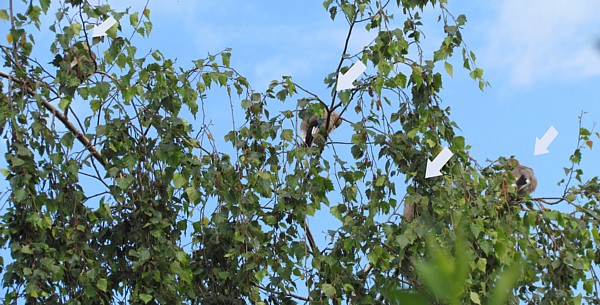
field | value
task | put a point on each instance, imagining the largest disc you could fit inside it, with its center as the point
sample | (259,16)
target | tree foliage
(118,191)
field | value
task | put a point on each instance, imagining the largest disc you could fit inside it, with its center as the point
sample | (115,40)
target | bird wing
(522,182)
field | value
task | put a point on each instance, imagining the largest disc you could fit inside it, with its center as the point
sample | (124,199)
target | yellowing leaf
(328,289)
(76,27)
(102,284)
(179,180)
(27,249)
(193,194)
(134,19)
(9,38)
(145,298)
(449,68)
(475,298)
(4,15)
(64,103)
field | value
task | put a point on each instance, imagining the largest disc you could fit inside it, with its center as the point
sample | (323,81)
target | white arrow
(434,167)
(541,146)
(345,80)
(100,30)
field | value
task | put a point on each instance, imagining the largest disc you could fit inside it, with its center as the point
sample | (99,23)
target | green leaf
(576,156)
(477,73)
(260,275)
(27,249)
(449,68)
(20,194)
(458,143)
(145,298)
(4,15)
(45,5)
(349,10)
(95,105)
(357,151)
(179,180)
(148,26)
(287,135)
(76,28)
(584,132)
(134,19)
(102,284)
(67,140)
(193,194)
(329,290)
(124,182)
(64,103)
(411,134)
(226,58)
(16,161)
(475,298)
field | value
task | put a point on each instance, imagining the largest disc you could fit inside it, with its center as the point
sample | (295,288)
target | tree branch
(311,239)
(299,297)
(339,68)
(67,123)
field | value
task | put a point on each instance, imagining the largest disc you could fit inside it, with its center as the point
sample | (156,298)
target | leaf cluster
(120,191)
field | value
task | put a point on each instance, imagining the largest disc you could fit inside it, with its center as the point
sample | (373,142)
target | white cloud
(539,40)
(266,44)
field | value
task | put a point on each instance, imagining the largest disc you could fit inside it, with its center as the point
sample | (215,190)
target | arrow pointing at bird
(434,167)
(100,30)
(345,80)
(541,145)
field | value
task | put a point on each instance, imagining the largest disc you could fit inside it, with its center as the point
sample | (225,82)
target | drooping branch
(63,118)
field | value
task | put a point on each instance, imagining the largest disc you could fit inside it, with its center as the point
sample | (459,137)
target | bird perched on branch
(78,62)
(524,179)
(310,128)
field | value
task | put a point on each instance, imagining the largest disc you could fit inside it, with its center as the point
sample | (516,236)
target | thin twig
(571,170)
(13,27)
(339,68)
(311,239)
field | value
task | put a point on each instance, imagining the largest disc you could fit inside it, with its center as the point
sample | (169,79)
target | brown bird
(81,61)
(524,179)
(308,129)
(78,61)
